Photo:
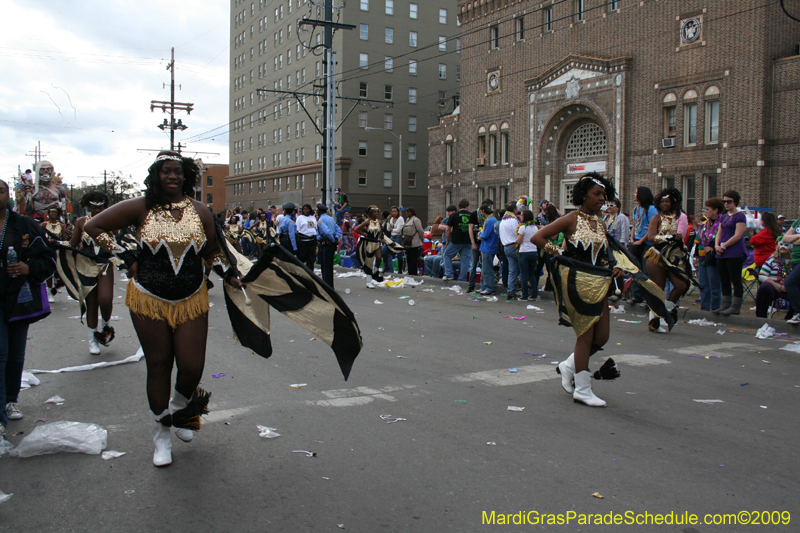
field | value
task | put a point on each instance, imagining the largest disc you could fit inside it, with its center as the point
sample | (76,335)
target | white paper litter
(355,274)
(763,406)
(347,291)
(720,332)
(617,310)
(629,321)
(58,400)
(298,385)
(515,408)
(702,322)
(534,308)
(708,401)
(491,299)
(28,381)
(4,497)
(132,359)
(764,332)
(267,433)
(378,302)
(390,419)
(111,454)
(492,443)
(411,302)
(792,347)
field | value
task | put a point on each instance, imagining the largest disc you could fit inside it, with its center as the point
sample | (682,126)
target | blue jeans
(513,267)
(354,260)
(340,215)
(473,271)
(450,252)
(528,261)
(487,271)
(13,337)
(501,255)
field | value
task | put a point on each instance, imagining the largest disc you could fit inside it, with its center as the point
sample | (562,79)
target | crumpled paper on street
(62,436)
(616,310)
(792,347)
(399,283)
(355,274)
(702,322)
(28,381)
(132,359)
(4,497)
(267,433)
(765,332)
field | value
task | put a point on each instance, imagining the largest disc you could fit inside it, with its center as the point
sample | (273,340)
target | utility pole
(37,154)
(171,107)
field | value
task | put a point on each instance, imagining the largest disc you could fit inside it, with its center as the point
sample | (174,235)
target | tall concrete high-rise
(403,53)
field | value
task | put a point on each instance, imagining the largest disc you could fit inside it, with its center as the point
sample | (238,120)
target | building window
(209,181)
(362,119)
(412,67)
(412,123)
(613,5)
(709,187)
(580,10)
(412,180)
(442,16)
(493,148)
(449,155)
(363,62)
(362,89)
(389,36)
(387,178)
(589,140)
(388,64)
(442,71)
(458,72)
(412,11)
(482,143)
(494,37)
(442,43)
(412,38)
(504,145)
(364,32)
(362,148)
(712,122)
(388,121)
(412,152)
(387,150)
(209,198)
(519,24)
(689,204)
(362,177)
(412,95)
(387,92)
(690,124)
(364,5)
(389,7)
(547,19)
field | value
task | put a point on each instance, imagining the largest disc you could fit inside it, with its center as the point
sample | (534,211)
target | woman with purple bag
(27,263)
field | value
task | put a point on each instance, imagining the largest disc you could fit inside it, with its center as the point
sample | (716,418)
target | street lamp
(400,155)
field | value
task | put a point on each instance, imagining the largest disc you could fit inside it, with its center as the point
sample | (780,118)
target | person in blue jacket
(287,229)
(489,240)
(328,235)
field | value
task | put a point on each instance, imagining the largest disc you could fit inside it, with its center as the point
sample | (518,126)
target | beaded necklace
(709,232)
(5,226)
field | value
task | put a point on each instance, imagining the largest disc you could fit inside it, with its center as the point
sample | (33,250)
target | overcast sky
(79,76)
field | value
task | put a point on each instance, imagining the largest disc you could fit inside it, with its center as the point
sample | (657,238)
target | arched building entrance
(577,112)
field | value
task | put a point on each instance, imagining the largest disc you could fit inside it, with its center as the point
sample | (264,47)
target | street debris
(267,433)
(720,332)
(4,497)
(132,359)
(708,401)
(792,347)
(492,443)
(462,402)
(764,332)
(74,437)
(763,406)
(218,375)
(616,310)
(534,308)
(28,381)
(308,453)
(296,386)
(389,419)
(515,408)
(512,370)
(411,302)
(378,302)
(515,317)
(111,454)
(629,321)
(702,322)
(491,299)
(487,343)
(347,291)
(58,400)
(598,495)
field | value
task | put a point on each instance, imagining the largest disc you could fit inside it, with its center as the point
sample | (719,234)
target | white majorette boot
(162,438)
(583,390)
(94,346)
(178,402)
(567,370)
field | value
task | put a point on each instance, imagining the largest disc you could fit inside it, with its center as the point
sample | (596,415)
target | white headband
(166,157)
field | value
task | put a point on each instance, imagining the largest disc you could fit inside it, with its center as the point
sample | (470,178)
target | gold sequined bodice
(667,228)
(85,238)
(177,235)
(586,243)
(53,227)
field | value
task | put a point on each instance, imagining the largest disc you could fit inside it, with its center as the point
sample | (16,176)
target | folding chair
(750,280)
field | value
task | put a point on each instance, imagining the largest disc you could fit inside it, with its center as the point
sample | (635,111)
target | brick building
(702,94)
(402,54)
(212,185)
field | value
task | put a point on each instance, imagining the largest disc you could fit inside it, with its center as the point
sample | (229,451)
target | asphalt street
(450,367)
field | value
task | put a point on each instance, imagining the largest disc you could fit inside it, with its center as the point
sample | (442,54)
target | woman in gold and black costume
(167,293)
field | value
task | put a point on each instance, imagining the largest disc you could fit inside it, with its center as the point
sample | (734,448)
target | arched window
(493,144)
(448,153)
(589,140)
(481,146)
(504,143)
(712,115)
(670,114)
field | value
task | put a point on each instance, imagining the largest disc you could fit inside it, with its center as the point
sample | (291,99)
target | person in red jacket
(765,241)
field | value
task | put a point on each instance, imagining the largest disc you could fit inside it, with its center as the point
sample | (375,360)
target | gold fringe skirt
(173,314)
(653,255)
